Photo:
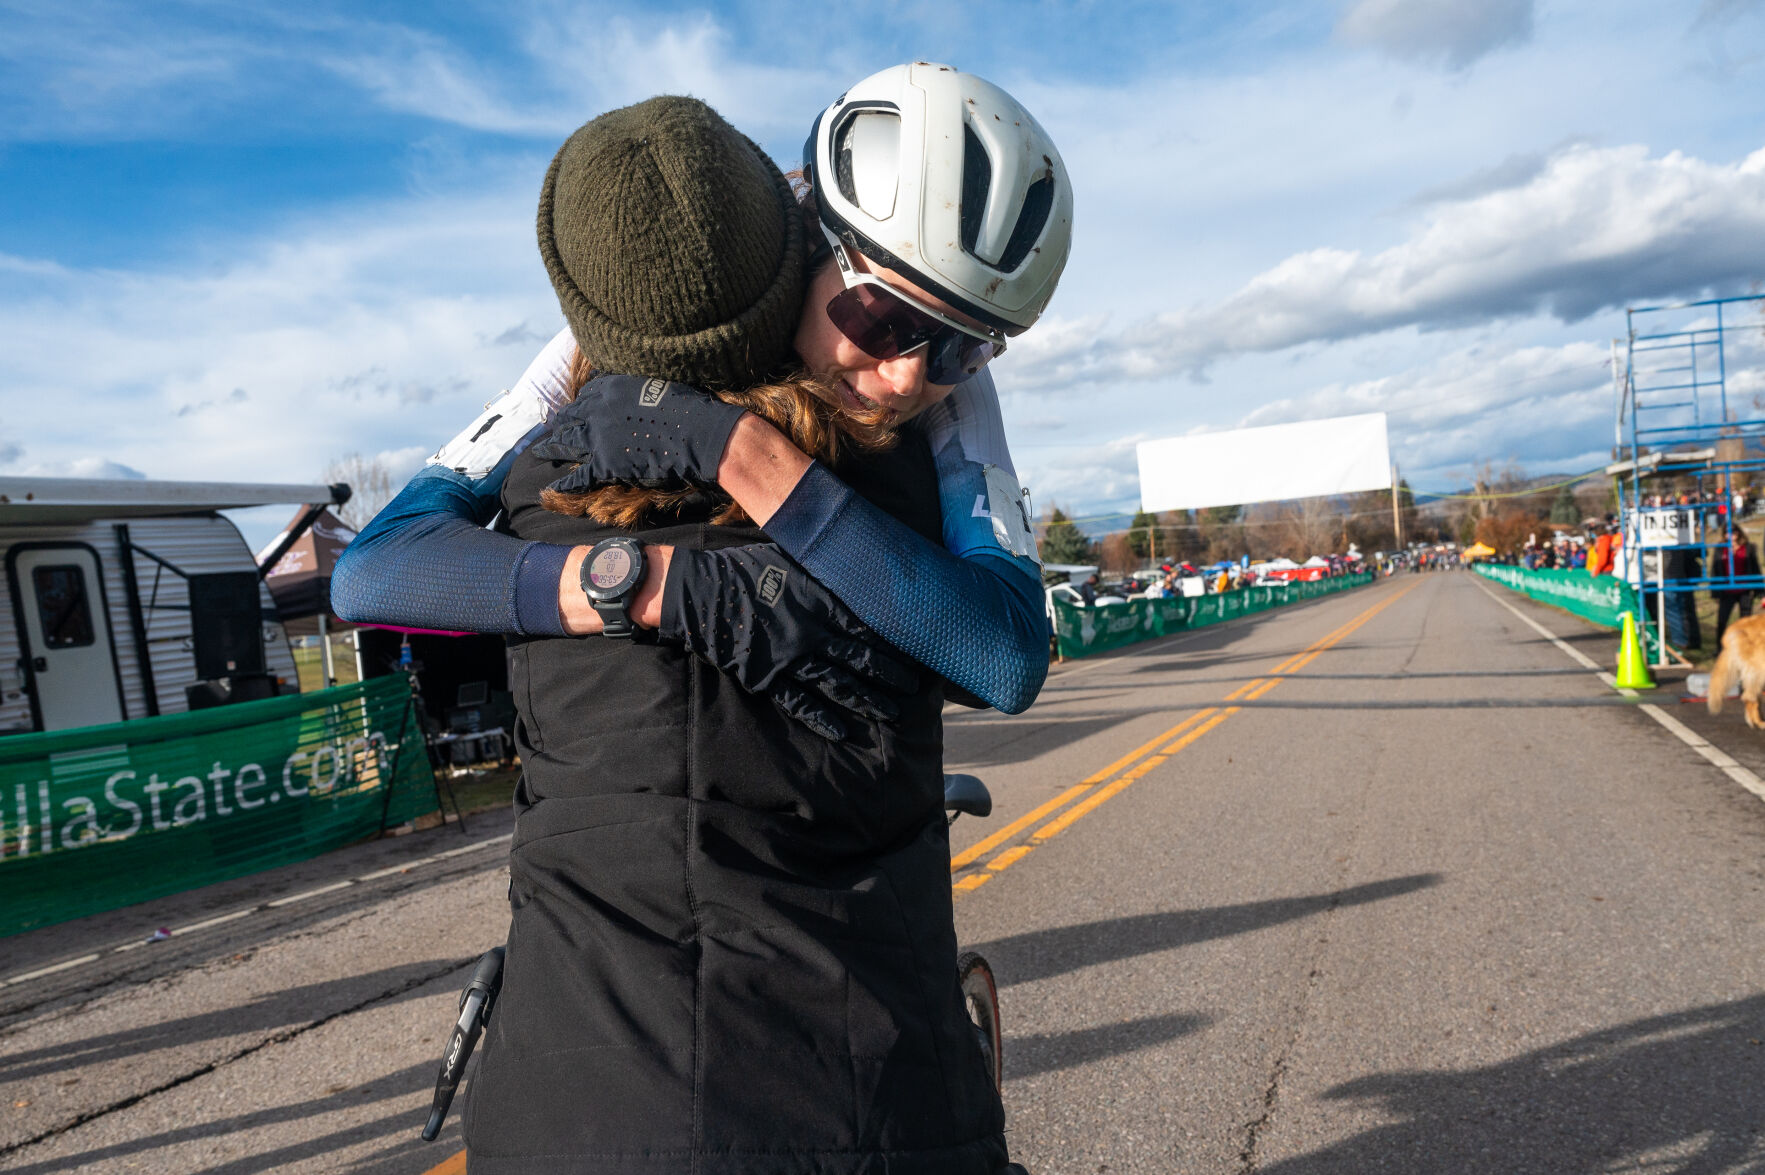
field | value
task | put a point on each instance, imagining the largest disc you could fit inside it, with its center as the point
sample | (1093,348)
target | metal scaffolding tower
(1690,434)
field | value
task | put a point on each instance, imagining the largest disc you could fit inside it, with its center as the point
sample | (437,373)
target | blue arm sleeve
(979,622)
(426,561)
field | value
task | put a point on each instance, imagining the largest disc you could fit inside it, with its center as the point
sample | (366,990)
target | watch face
(609,568)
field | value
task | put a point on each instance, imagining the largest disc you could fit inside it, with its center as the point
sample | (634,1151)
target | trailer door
(69,659)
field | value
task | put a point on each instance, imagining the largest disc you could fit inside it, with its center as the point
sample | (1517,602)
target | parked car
(1070,594)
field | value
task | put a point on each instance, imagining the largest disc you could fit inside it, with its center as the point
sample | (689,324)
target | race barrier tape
(1602,599)
(1084,631)
(106,816)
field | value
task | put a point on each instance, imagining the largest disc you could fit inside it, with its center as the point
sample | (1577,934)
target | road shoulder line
(259,908)
(1716,757)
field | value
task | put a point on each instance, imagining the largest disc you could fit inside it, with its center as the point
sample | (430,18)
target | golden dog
(1742,657)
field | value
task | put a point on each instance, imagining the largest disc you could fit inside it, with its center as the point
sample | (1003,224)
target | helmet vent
(867,163)
(977,179)
(1030,222)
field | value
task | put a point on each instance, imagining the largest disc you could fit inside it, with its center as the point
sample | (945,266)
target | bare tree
(370,486)
(1115,552)
(1309,526)
(1222,532)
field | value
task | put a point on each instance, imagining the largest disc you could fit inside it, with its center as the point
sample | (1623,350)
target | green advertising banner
(1602,599)
(106,816)
(1084,631)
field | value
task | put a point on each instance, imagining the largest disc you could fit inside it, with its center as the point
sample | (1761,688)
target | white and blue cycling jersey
(971,610)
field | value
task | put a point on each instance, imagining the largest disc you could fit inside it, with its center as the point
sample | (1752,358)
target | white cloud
(1455,32)
(1594,228)
(416,73)
(101,67)
(1089,478)
(1530,404)
(93,467)
(371,330)
(585,63)
(401,463)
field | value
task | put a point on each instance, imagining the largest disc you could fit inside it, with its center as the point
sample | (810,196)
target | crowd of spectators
(1420,559)
(1561,553)
(1598,549)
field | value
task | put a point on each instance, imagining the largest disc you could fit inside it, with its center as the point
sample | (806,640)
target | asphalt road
(1382,882)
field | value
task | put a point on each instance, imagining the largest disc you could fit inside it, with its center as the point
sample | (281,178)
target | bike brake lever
(475,1004)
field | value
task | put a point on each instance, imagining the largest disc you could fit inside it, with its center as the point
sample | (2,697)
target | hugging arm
(426,561)
(977,621)
(971,610)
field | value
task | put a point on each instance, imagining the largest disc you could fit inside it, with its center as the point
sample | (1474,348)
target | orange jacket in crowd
(1603,559)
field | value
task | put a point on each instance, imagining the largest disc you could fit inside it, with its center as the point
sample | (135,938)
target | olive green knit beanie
(674,245)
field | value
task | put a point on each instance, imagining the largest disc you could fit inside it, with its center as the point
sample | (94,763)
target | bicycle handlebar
(475,1004)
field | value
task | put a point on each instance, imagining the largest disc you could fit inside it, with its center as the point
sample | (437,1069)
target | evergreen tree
(1565,511)
(1063,542)
(1140,539)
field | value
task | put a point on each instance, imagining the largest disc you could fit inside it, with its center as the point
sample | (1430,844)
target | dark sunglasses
(886,323)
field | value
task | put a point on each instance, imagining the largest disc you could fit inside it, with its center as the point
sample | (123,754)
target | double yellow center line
(1081,799)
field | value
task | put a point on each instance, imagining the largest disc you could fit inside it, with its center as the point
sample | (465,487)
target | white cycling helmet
(948,180)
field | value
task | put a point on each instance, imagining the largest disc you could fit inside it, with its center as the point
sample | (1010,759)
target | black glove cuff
(673,627)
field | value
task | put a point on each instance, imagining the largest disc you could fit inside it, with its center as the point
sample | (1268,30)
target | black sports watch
(610,577)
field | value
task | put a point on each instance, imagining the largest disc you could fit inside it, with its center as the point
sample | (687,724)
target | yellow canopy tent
(1477,551)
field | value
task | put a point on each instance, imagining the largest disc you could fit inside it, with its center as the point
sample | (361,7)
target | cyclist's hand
(759,617)
(648,432)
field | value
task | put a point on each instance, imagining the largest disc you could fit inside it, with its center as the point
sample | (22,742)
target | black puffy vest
(731,950)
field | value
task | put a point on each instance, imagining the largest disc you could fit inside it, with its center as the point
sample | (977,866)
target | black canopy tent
(300,579)
(296,566)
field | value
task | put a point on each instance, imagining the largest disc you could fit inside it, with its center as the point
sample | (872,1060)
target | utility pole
(1396,514)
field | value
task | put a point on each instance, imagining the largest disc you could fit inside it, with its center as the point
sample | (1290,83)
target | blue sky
(236,242)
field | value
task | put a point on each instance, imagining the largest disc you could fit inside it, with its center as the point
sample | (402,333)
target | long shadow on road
(1041,954)
(1681,1092)
(983,744)
(271,1011)
(396,1132)
(1044,1052)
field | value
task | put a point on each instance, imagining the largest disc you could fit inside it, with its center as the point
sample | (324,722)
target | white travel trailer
(132,598)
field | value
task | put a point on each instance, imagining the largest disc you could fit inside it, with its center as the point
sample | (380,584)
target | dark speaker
(206,695)
(226,624)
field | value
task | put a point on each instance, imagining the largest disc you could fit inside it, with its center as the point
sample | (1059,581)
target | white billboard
(1310,459)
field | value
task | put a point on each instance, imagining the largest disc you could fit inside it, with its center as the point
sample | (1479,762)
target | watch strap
(615,616)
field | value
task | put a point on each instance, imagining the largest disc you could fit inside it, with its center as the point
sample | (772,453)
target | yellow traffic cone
(1633,664)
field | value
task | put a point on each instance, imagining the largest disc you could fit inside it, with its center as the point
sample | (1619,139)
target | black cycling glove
(760,618)
(648,432)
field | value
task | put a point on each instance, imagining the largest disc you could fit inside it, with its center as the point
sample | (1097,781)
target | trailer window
(63,608)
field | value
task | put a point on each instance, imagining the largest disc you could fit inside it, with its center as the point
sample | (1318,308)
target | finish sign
(1665,526)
